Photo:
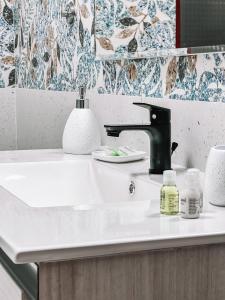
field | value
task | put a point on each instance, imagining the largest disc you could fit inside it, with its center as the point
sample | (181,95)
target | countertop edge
(78,253)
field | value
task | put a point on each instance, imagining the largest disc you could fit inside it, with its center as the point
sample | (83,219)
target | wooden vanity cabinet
(189,273)
(186,273)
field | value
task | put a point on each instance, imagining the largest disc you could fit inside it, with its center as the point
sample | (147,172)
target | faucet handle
(174,147)
(158,115)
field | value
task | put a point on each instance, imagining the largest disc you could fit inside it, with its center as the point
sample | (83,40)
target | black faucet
(159,132)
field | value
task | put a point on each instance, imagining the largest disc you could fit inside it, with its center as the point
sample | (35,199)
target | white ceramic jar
(81,134)
(214,191)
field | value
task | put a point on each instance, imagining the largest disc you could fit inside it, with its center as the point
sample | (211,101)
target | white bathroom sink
(80,183)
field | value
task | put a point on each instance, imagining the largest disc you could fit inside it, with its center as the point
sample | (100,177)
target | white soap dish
(131,156)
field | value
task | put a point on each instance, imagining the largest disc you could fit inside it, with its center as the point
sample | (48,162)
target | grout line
(16,119)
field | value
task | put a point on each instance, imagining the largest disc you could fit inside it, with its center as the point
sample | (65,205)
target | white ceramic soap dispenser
(81,134)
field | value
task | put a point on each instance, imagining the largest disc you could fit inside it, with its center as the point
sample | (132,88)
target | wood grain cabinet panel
(193,273)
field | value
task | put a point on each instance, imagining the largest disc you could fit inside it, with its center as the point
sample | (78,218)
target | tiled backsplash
(7,44)
(55,52)
(132,29)
(41,117)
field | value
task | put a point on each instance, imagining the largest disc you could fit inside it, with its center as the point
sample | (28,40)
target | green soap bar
(114,153)
(118,153)
(121,153)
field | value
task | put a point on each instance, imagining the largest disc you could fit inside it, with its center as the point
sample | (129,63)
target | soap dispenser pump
(81,134)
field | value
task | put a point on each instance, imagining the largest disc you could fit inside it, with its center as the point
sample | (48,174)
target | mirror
(148,28)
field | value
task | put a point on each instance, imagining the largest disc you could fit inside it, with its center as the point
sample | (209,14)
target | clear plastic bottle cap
(194,171)
(192,180)
(169,177)
(194,175)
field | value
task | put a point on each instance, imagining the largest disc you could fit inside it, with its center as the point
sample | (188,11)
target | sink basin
(79,183)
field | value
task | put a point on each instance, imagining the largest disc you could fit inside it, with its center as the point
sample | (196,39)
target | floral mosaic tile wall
(131,28)
(199,77)
(7,44)
(55,52)
(55,45)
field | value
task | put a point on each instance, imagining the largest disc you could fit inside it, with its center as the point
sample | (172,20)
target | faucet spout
(159,132)
(115,130)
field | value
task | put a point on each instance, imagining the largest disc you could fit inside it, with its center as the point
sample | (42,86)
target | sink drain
(132,188)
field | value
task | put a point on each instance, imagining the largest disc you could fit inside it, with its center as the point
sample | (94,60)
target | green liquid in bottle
(169,195)
(169,203)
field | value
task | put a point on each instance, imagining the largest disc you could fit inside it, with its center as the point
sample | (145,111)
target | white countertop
(49,234)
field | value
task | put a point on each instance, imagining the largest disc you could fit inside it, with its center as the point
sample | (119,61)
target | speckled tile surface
(132,28)
(8,127)
(55,41)
(7,43)
(196,126)
(55,52)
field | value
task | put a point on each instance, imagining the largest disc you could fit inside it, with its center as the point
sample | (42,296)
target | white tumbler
(214,191)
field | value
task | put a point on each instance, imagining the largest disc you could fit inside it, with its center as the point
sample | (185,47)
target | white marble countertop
(49,234)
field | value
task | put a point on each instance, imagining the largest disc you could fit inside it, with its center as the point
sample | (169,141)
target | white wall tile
(196,126)
(41,117)
(8,119)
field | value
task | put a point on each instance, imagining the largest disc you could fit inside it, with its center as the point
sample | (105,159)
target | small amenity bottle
(190,198)
(196,173)
(169,200)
